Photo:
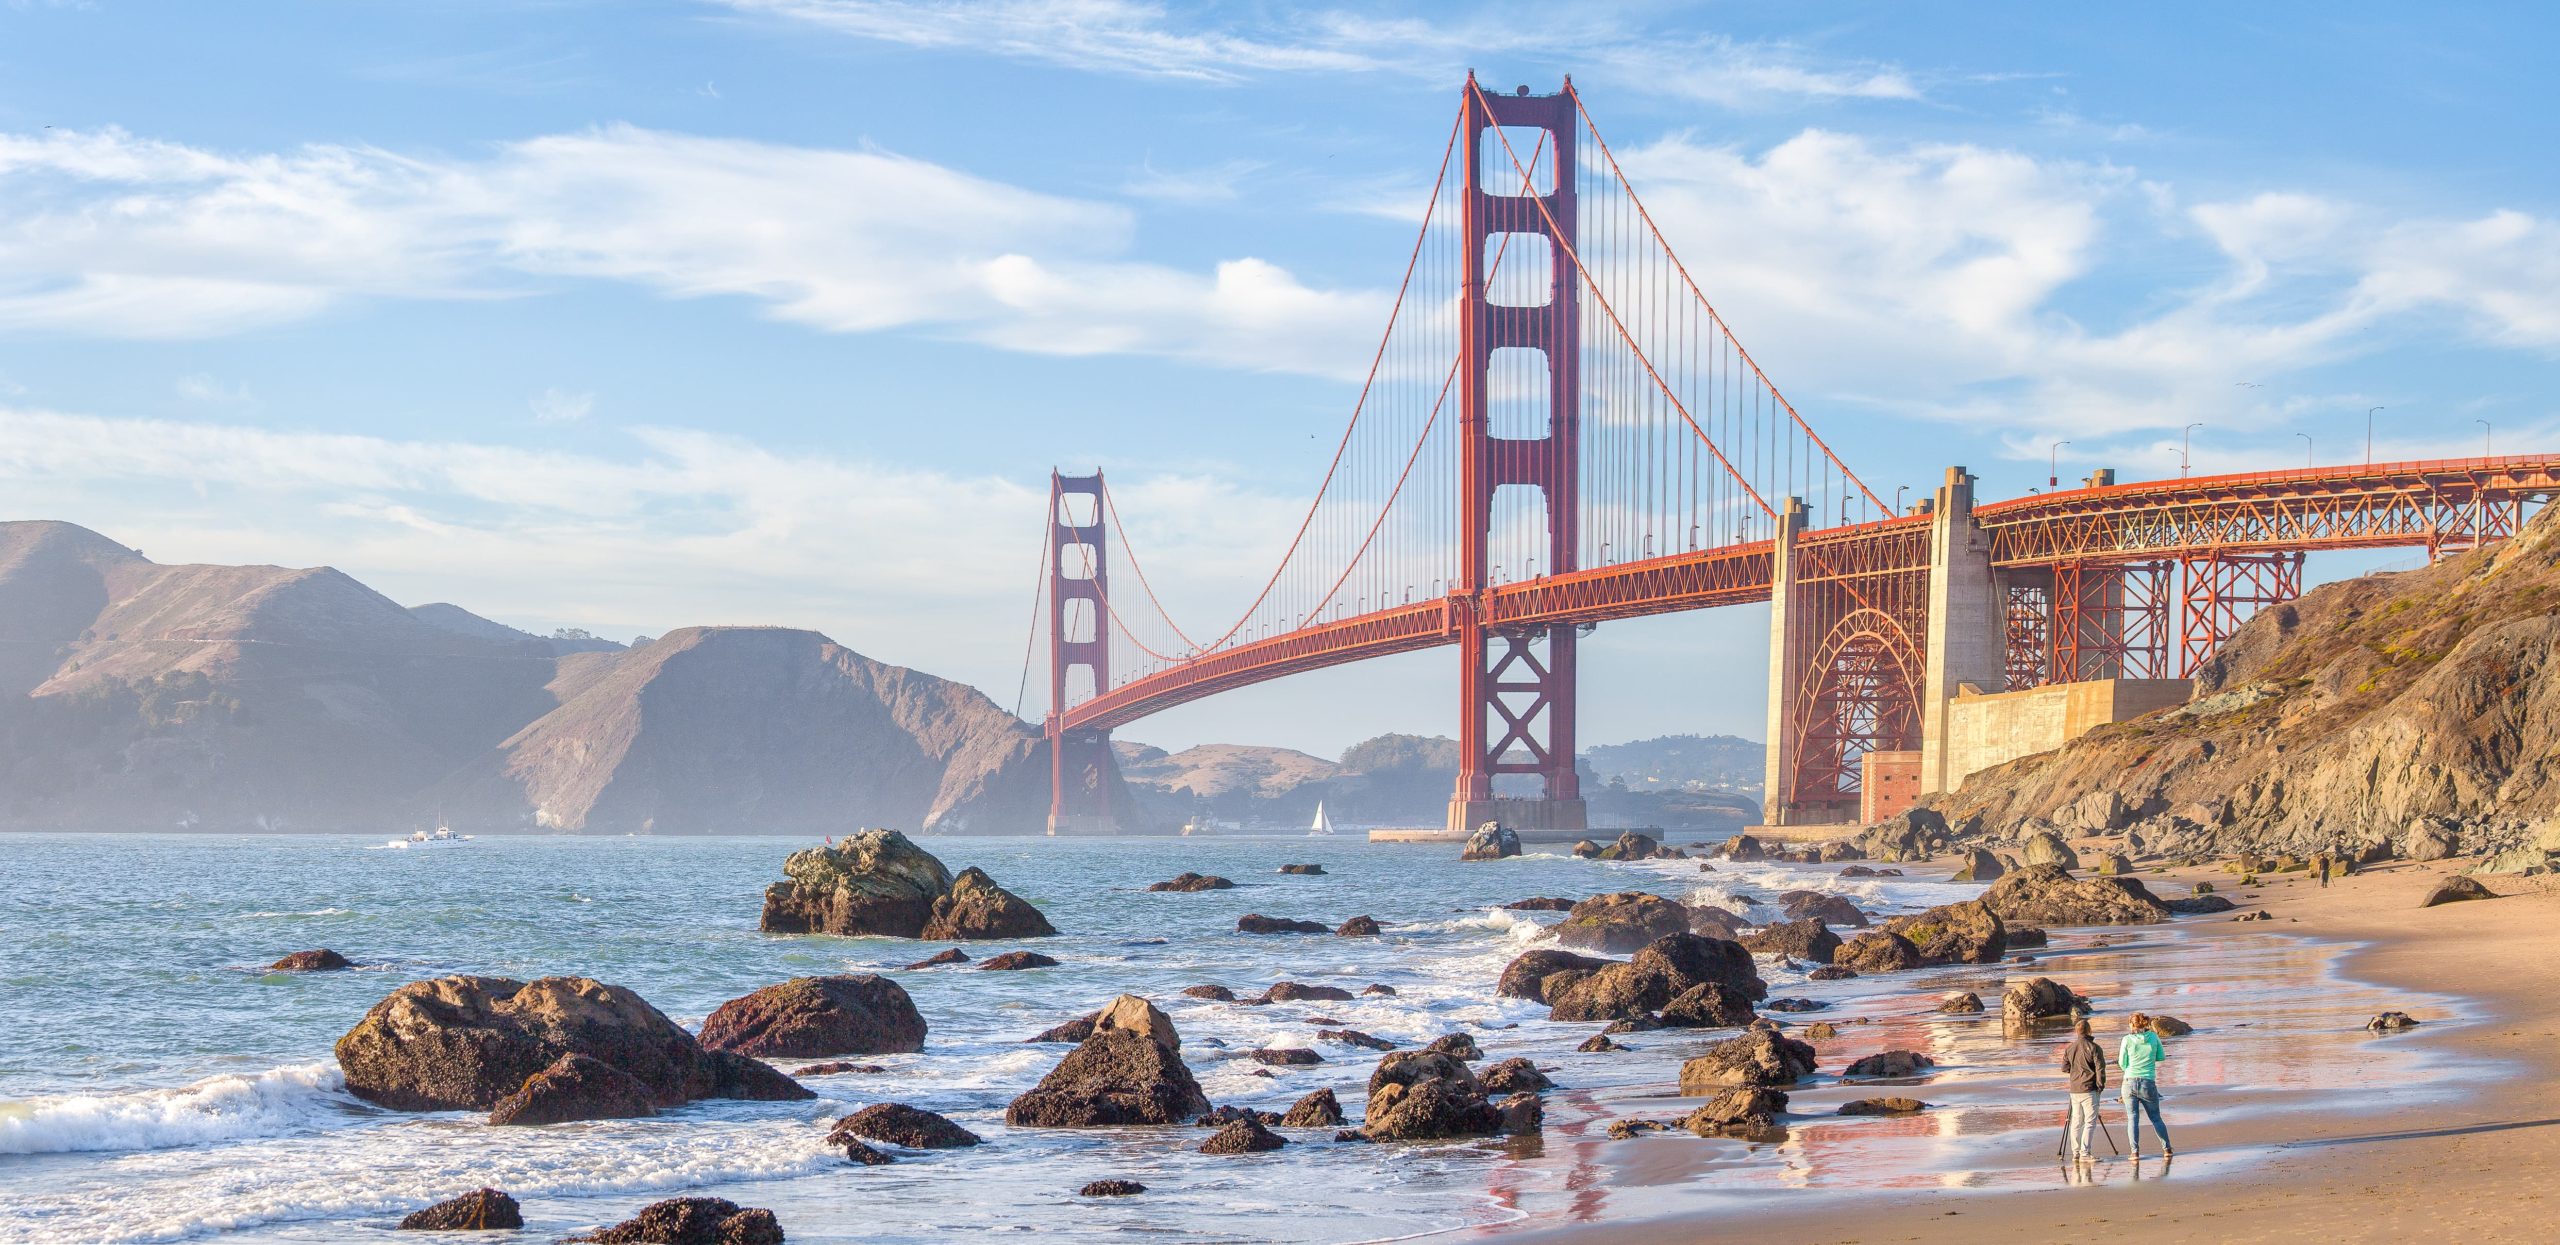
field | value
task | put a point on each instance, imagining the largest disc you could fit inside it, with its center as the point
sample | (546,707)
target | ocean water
(156,1084)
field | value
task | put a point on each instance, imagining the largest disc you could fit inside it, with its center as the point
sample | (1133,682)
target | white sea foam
(222,1108)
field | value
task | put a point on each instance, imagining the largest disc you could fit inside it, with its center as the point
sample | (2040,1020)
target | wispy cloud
(1214,183)
(107,233)
(202,387)
(562,406)
(1221,45)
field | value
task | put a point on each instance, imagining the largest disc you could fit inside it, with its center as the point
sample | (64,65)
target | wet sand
(2475,1162)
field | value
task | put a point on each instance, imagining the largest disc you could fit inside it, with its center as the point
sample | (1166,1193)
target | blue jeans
(2142,1097)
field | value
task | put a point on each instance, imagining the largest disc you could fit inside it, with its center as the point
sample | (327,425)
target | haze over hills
(140,696)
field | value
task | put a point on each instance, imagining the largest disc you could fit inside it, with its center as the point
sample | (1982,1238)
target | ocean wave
(222,1108)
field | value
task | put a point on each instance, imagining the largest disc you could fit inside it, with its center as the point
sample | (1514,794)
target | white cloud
(1150,40)
(562,406)
(1213,184)
(202,387)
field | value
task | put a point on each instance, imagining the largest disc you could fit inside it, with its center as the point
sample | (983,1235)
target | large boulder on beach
(1129,1072)
(2024,1003)
(1808,939)
(1632,846)
(1956,933)
(975,907)
(1878,951)
(1423,1094)
(1491,841)
(1661,971)
(480,1210)
(814,1017)
(874,882)
(575,1087)
(1709,1005)
(1750,1111)
(1526,976)
(1319,1109)
(1906,836)
(1758,1057)
(2047,895)
(463,1043)
(2044,847)
(692,1221)
(2456,889)
(1620,922)
(1742,847)
(1979,866)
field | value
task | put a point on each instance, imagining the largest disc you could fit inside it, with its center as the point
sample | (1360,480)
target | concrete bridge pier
(1967,637)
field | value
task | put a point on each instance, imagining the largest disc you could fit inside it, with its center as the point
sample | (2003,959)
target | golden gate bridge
(1557,429)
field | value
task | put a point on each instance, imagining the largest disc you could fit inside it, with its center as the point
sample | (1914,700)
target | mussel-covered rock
(1129,1072)
(812,1017)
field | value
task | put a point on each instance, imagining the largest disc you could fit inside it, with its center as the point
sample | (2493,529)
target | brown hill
(1214,770)
(2371,710)
(759,729)
(140,696)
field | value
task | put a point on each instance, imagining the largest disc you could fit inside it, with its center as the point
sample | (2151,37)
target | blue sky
(636,315)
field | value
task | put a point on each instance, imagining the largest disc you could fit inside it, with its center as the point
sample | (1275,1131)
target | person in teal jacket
(2139,1056)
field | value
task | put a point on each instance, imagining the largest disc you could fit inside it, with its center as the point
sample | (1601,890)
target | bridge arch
(1860,693)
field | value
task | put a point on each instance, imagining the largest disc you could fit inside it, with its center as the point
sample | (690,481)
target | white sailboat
(1323,824)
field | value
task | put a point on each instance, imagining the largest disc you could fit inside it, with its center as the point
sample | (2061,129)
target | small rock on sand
(1883,1106)
(2392,1022)
(2451,890)
(1960,1003)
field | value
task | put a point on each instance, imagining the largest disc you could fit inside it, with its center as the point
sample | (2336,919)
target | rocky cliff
(2418,711)
(140,696)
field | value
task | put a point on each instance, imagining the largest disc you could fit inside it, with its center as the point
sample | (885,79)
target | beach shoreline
(2472,1164)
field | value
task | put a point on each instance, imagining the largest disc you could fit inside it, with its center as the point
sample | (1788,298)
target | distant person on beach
(2321,863)
(2086,1066)
(2139,1056)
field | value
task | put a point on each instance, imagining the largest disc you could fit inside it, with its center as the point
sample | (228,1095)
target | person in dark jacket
(2086,1067)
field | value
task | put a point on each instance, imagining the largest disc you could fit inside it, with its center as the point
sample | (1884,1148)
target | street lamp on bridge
(2368,435)
(2186,448)
(2053,465)
(2306,447)
(2484,437)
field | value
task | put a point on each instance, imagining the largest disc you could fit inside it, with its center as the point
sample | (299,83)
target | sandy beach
(2476,1166)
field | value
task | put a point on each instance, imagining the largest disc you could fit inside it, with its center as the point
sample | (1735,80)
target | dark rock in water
(1838,850)
(1621,922)
(1708,1005)
(976,908)
(1640,1023)
(1707,918)
(1513,1076)
(1459,1045)
(874,882)
(950,955)
(750,1079)
(1599,1044)
(1795,1005)
(1111,1188)
(1256,923)
(1960,1003)
(1890,1065)
(2171,1026)
(2038,998)
(1383,991)
(1491,841)
(319,960)
(856,1152)
(809,1017)
(1956,933)
(837,1068)
(1660,972)
(2049,895)
(1821,1031)
(1129,1072)
(1526,976)
(1748,1111)
(1807,939)
(1829,909)
(1075,1030)
(1758,1057)
(1189,882)
(902,1125)
(1012,960)
(1629,1129)
(1831,972)
(464,1043)
(1521,1114)
(1585,849)
(1299,991)
(1354,1037)
(1359,927)
(2026,936)
(1415,1095)
(1632,846)
(1285,1057)
(575,1087)
(2200,905)
(1877,951)
(1246,1136)
(2392,1022)
(1706,867)
(2456,889)
(1742,847)
(1540,904)
(693,1221)
(1883,1106)
(1858,871)
(1304,870)
(1224,1116)
(1319,1109)
(477,1211)
(1219,994)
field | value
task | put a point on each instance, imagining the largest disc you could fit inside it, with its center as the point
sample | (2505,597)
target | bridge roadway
(2381,505)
